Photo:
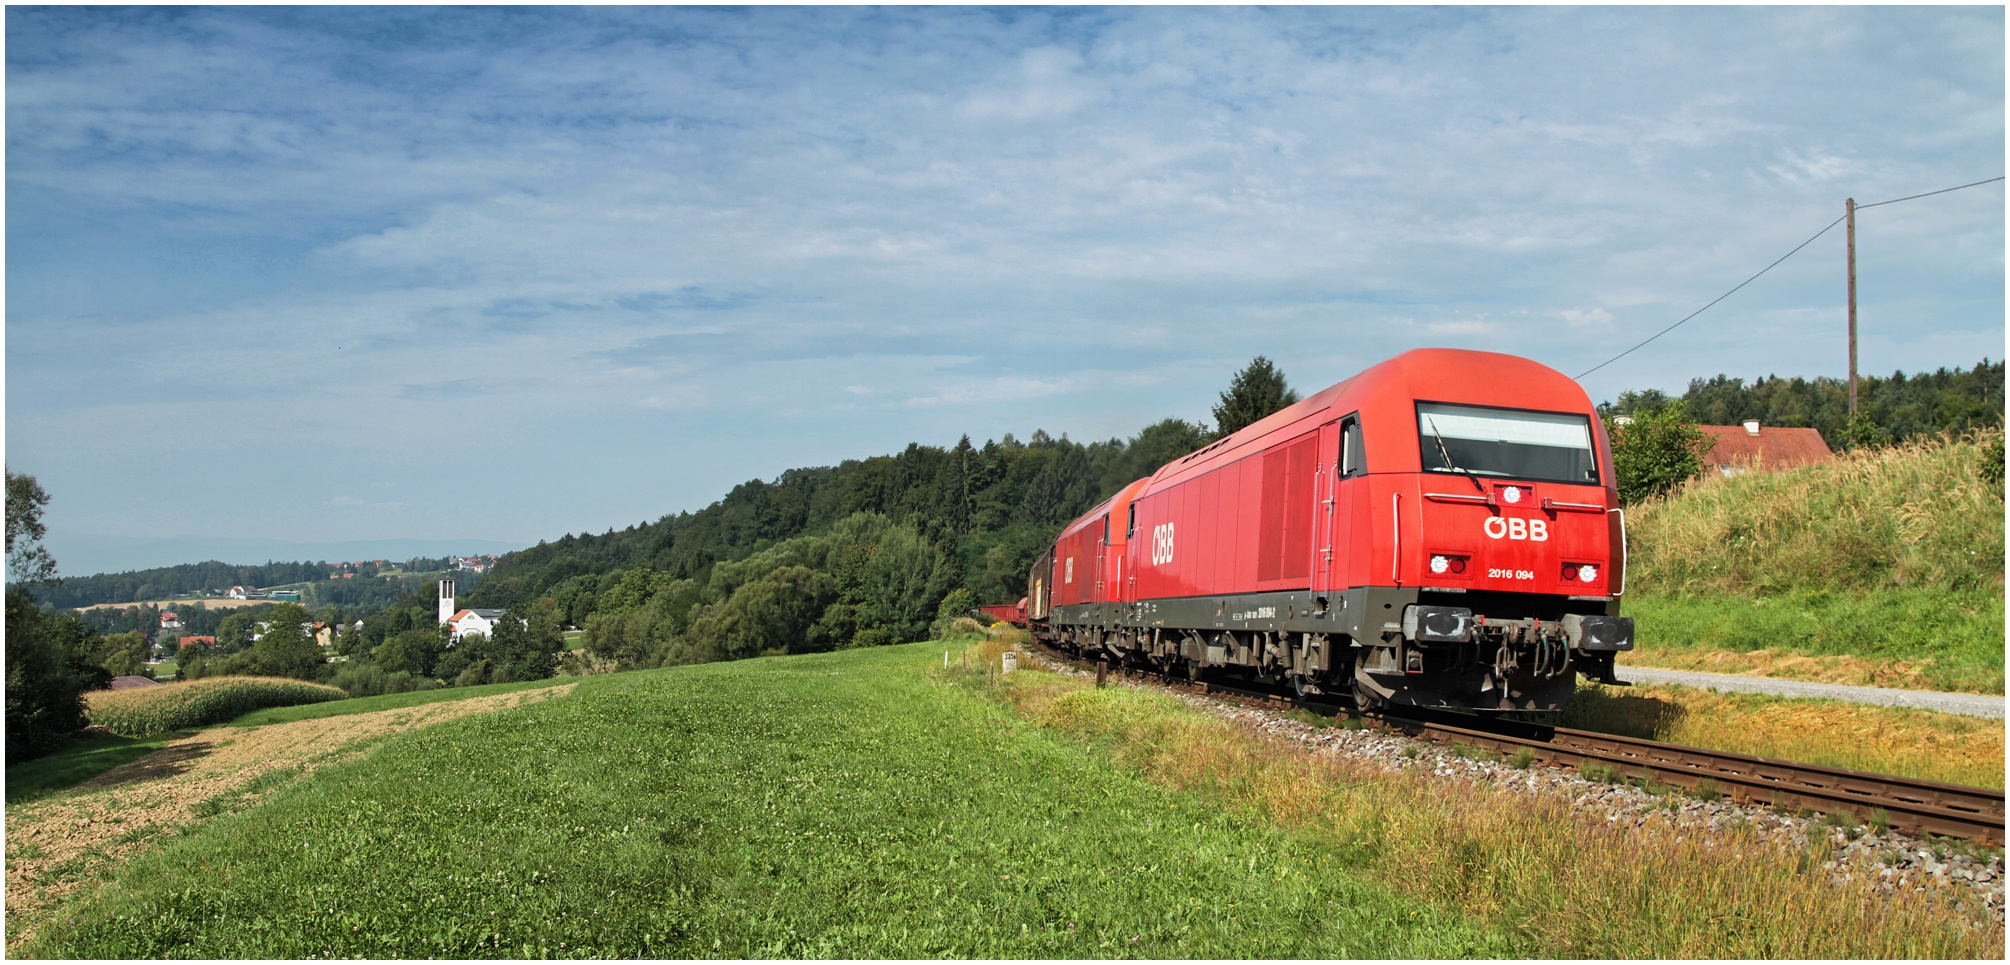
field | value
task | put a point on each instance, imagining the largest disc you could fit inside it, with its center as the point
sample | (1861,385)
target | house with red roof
(1737,449)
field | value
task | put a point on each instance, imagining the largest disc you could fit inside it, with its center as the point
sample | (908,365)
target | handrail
(1622,552)
(1396,554)
(1460,497)
(1593,507)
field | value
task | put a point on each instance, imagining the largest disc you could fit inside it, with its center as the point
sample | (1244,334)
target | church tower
(446,600)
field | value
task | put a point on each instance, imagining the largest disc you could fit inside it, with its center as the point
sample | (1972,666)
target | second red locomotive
(1440,530)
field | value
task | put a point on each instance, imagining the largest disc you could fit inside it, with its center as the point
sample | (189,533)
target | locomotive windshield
(1514,443)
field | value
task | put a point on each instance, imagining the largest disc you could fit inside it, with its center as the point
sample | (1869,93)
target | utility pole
(1849,213)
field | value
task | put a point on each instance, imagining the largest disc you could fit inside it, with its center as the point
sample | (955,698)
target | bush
(476,674)
(958,603)
(872,637)
(1655,453)
(370,680)
(147,711)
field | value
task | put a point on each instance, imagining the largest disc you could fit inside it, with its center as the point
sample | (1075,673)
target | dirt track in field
(81,837)
(213,603)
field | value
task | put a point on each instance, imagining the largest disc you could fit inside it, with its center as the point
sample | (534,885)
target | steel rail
(1901,803)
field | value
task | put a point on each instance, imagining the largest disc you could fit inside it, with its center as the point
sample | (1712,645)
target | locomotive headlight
(1588,573)
(1439,564)
(1512,494)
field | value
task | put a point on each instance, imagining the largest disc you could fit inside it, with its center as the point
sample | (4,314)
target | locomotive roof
(1437,374)
(1120,497)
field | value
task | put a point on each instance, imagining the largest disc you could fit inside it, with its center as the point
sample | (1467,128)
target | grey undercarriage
(1380,645)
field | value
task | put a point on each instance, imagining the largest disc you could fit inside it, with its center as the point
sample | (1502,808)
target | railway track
(1903,804)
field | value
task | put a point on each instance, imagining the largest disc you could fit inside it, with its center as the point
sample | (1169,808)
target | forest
(1889,410)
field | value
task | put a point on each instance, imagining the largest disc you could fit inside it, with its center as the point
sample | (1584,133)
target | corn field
(147,711)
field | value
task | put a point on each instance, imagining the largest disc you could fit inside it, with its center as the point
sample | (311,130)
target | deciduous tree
(1655,452)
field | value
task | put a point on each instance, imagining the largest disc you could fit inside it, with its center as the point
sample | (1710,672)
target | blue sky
(293,275)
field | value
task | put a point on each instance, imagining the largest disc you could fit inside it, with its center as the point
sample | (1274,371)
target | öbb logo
(1162,544)
(1515,527)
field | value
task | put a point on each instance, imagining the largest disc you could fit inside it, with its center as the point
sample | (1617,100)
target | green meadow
(842,805)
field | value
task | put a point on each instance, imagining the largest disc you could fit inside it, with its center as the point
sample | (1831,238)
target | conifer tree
(1255,392)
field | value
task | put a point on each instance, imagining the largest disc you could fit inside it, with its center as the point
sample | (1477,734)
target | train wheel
(1364,699)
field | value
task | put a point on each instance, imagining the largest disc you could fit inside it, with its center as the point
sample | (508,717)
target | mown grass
(1884,740)
(1892,557)
(1908,637)
(148,711)
(364,705)
(844,805)
(1576,884)
(86,756)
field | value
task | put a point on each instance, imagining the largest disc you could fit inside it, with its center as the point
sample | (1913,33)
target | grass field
(85,757)
(1884,740)
(1914,638)
(839,805)
(871,804)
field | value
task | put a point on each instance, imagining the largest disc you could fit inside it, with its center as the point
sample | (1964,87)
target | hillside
(839,805)
(1887,563)
(879,804)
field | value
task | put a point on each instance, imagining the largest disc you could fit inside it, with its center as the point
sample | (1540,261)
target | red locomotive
(1441,530)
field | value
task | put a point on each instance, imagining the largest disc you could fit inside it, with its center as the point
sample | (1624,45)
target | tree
(49,667)
(524,647)
(28,561)
(412,651)
(234,633)
(1655,453)
(285,649)
(1255,392)
(49,663)
(125,654)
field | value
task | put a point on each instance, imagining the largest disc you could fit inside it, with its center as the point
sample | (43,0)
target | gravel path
(1973,705)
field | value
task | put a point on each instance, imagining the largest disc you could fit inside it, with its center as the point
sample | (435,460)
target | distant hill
(166,582)
(80,555)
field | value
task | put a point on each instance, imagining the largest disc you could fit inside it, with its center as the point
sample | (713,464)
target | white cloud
(557,235)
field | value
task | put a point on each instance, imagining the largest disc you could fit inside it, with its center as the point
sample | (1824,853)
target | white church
(465,622)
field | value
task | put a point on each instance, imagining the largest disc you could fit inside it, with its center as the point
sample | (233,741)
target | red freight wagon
(1440,530)
(1012,613)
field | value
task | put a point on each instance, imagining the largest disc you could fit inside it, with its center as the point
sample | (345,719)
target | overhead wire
(1770,267)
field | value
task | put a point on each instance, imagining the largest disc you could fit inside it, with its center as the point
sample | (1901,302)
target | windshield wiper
(1447,455)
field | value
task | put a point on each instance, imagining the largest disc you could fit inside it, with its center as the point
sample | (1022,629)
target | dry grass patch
(1885,740)
(1783,665)
(1583,885)
(61,845)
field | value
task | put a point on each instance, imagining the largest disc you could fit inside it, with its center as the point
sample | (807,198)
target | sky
(292,277)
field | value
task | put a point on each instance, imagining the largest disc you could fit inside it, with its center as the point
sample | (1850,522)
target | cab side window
(1353,454)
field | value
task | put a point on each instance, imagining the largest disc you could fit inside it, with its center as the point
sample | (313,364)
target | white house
(475,621)
(465,622)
